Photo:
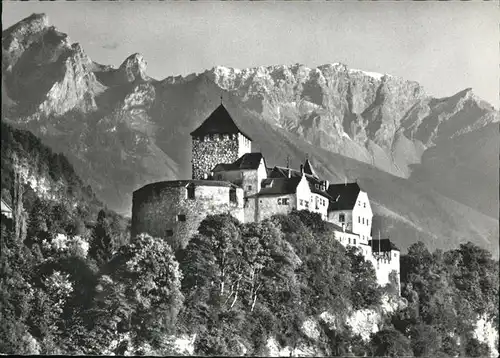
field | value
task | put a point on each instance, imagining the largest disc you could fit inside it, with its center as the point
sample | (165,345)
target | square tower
(217,140)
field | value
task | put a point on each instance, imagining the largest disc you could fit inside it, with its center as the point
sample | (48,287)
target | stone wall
(156,210)
(250,213)
(210,150)
(267,206)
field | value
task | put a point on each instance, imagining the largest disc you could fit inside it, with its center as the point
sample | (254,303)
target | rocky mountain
(427,163)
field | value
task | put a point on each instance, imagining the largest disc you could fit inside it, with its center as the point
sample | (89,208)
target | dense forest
(235,286)
(72,281)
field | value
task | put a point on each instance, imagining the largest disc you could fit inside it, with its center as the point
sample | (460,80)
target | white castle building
(228,177)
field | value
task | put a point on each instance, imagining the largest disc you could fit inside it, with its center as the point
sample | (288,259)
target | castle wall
(319,204)
(362,216)
(384,264)
(347,239)
(250,209)
(244,146)
(334,218)
(155,210)
(210,150)
(267,206)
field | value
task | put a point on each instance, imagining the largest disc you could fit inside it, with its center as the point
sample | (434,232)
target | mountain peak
(32,23)
(134,68)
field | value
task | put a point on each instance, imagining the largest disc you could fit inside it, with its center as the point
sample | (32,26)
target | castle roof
(246,161)
(314,182)
(218,122)
(385,245)
(279,186)
(344,196)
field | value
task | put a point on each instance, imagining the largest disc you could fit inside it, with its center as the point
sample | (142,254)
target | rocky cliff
(122,129)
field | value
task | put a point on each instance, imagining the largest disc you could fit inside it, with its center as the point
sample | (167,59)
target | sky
(445,46)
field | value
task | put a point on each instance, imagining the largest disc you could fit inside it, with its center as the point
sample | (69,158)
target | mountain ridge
(122,129)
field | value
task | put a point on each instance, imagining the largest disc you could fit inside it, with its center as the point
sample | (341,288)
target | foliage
(365,290)
(70,290)
(390,343)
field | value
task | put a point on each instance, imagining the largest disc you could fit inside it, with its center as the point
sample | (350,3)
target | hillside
(122,129)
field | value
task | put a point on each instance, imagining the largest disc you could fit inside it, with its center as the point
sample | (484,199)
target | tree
(390,343)
(365,291)
(17,191)
(476,348)
(146,280)
(101,248)
(425,341)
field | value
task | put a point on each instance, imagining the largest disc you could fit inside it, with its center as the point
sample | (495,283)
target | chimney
(301,169)
(289,172)
(327,184)
(343,227)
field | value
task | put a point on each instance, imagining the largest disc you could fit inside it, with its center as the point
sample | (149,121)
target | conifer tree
(101,248)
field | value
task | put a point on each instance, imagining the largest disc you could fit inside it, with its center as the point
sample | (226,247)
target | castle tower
(217,140)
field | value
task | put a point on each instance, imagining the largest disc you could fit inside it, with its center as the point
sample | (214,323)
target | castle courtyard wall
(268,206)
(155,210)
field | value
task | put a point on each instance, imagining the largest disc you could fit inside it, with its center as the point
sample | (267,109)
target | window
(349,240)
(354,241)
(232,195)
(364,205)
(190,192)
(282,201)
(359,203)
(181,217)
(359,219)
(342,218)
(301,202)
(306,203)
(363,221)
(367,222)
(395,255)
(249,187)
(169,232)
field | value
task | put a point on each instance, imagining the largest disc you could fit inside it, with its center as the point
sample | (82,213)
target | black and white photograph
(250,178)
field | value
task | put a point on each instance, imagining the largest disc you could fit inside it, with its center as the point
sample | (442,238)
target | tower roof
(218,122)
(308,169)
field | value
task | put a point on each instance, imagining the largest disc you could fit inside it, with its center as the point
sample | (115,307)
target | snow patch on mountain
(375,75)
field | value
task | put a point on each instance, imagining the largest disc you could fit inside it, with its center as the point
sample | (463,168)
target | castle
(228,177)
